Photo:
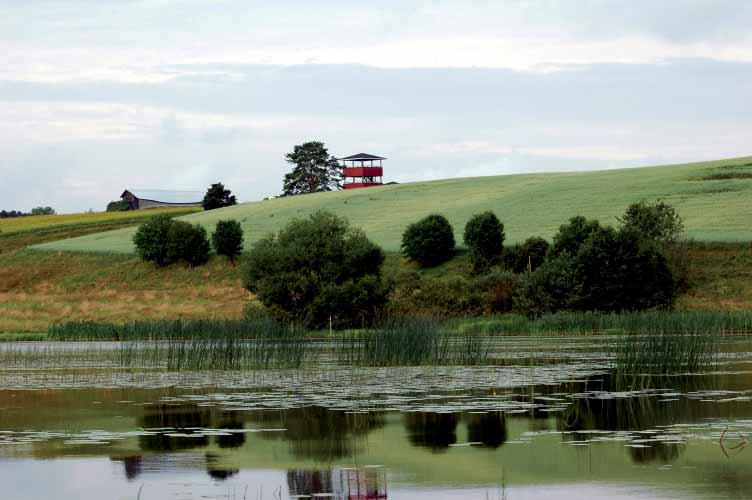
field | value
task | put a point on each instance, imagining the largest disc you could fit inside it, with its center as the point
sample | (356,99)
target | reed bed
(411,341)
(665,354)
(180,329)
(592,323)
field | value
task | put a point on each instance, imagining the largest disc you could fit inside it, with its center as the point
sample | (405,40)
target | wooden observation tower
(362,170)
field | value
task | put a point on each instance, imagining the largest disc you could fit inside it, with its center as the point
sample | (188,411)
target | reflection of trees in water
(656,452)
(215,470)
(490,428)
(435,431)
(133,465)
(340,484)
(319,433)
(180,417)
(309,482)
(636,412)
(231,421)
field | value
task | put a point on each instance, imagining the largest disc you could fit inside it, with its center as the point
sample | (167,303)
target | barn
(139,199)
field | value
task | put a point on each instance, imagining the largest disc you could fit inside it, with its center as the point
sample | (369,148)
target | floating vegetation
(592,323)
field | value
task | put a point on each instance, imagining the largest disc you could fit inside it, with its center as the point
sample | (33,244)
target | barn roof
(363,156)
(166,195)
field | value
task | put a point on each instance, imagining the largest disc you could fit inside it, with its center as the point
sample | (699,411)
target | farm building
(139,199)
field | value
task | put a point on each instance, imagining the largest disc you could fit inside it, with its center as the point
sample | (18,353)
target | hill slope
(715,199)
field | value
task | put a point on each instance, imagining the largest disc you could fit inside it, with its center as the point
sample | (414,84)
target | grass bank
(38,289)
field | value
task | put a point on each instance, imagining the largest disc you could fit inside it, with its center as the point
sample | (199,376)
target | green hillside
(715,199)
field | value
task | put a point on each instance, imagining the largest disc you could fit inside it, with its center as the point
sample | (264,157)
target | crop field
(714,198)
(17,225)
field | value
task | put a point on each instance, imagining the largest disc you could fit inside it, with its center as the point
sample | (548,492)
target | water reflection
(319,433)
(489,429)
(435,431)
(340,484)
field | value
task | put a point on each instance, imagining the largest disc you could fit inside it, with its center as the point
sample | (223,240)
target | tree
(657,221)
(484,236)
(314,170)
(572,235)
(42,211)
(187,242)
(227,239)
(217,197)
(617,272)
(151,239)
(430,241)
(317,269)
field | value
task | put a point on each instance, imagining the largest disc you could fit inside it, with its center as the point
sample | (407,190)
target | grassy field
(20,232)
(714,198)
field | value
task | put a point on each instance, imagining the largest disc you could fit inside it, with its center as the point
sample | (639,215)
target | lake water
(547,421)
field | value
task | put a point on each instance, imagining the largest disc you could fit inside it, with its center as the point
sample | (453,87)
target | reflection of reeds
(412,341)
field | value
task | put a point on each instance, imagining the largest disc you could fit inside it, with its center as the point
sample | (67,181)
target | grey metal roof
(363,156)
(167,196)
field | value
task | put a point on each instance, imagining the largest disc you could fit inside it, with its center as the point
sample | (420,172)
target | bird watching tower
(362,170)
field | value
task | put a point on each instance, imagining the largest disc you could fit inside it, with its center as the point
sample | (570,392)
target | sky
(97,96)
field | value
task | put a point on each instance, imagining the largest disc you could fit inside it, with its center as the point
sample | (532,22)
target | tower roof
(363,156)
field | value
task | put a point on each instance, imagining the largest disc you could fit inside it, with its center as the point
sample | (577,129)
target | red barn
(362,170)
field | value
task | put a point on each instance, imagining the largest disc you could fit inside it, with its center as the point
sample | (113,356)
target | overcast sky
(101,95)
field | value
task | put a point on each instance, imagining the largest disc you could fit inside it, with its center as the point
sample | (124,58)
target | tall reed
(589,323)
(411,341)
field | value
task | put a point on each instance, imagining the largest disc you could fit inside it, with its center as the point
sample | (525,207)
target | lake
(545,418)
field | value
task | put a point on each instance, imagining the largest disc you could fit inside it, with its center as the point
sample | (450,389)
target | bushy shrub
(617,272)
(151,239)
(118,206)
(484,237)
(573,234)
(498,290)
(163,241)
(316,269)
(227,239)
(657,221)
(414,295)
(525,256)
(550,288)
(612,271)
(430,241)
(187,242)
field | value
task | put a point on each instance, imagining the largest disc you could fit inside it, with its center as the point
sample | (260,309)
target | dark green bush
(657,221)
(430,241)
(151,239)
(118,206)
(550,288)
(317,269)
(573,234)
(617,272)
(187,242)
(484,237)
(227,239)
(612,271)
(528,255)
